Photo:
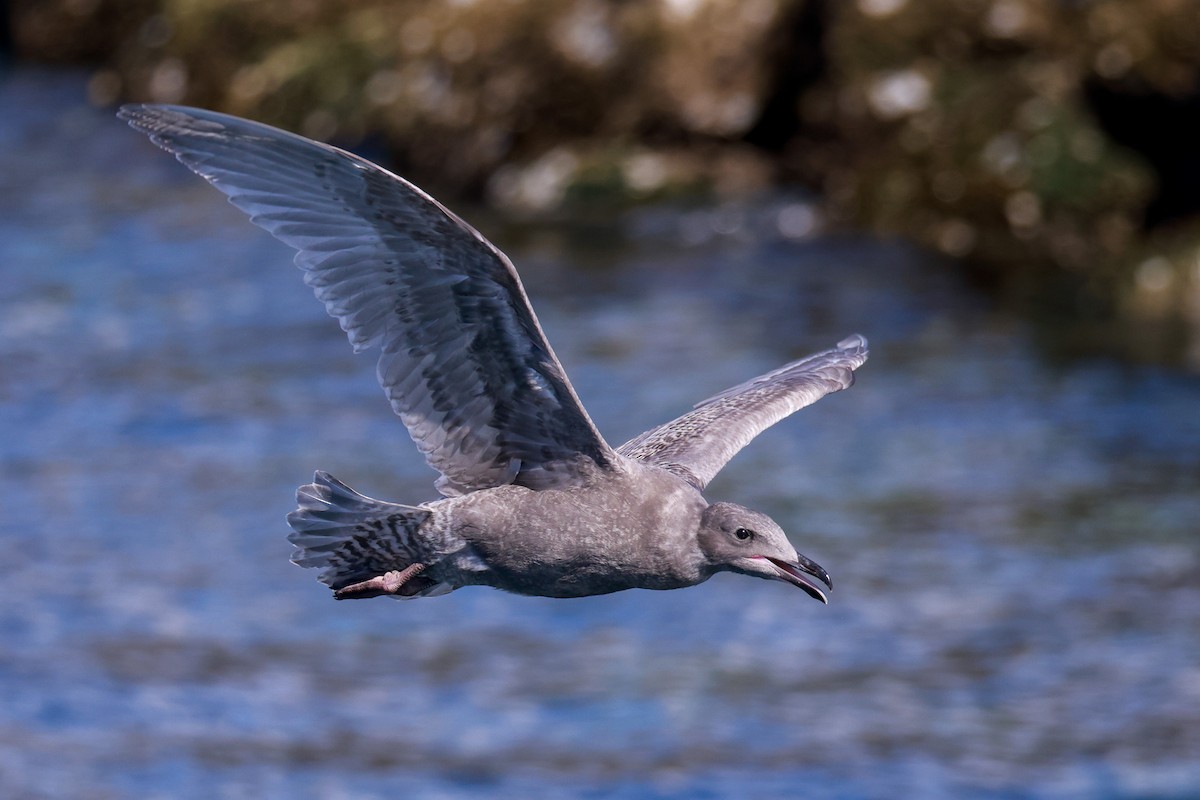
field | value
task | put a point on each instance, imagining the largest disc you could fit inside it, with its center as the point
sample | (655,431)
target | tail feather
(354,537)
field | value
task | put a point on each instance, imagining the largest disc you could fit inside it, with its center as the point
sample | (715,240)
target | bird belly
(575,543)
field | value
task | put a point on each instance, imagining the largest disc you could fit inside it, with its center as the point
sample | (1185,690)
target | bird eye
(744,534)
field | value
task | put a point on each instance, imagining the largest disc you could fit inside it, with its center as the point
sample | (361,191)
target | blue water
(1013,539)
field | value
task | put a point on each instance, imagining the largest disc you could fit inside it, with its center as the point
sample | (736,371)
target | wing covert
(698,444)
(464,361)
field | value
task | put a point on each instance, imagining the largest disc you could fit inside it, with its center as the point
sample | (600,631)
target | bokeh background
(1001,194)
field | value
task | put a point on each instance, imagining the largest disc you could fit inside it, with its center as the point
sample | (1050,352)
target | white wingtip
(853,342)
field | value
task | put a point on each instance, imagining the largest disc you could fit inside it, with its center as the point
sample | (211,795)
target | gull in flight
(534,500)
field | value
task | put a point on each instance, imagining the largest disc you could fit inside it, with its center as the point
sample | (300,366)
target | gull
(533,499)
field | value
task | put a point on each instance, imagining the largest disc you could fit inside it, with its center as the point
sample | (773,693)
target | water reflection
(1013,540)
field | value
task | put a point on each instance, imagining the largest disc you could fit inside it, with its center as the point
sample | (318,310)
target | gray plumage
(535,501)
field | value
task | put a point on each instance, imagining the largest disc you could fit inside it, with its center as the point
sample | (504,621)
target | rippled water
(1013,541)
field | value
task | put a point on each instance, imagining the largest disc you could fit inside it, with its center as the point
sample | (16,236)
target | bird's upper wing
(464,362)
(697,445)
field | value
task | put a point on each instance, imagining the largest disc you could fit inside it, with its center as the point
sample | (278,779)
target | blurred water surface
(1013,541)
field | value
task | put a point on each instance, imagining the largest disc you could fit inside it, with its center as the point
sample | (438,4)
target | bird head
(736,539)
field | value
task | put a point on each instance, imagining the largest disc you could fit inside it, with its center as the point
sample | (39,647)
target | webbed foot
(388,583)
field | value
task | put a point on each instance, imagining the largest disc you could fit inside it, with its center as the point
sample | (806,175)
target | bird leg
(388,583)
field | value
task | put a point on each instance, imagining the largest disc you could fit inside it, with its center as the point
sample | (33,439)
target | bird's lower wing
(465,363)
(697,445)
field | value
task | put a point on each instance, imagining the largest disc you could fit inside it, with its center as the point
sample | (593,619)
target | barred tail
(352,536)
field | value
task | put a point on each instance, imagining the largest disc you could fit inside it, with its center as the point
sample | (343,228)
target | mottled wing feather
(464,362)
(697,445)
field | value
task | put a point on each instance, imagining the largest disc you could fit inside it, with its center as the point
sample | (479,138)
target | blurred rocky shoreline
(1040,144)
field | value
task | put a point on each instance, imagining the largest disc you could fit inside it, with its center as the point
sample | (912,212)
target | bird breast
(637,531)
